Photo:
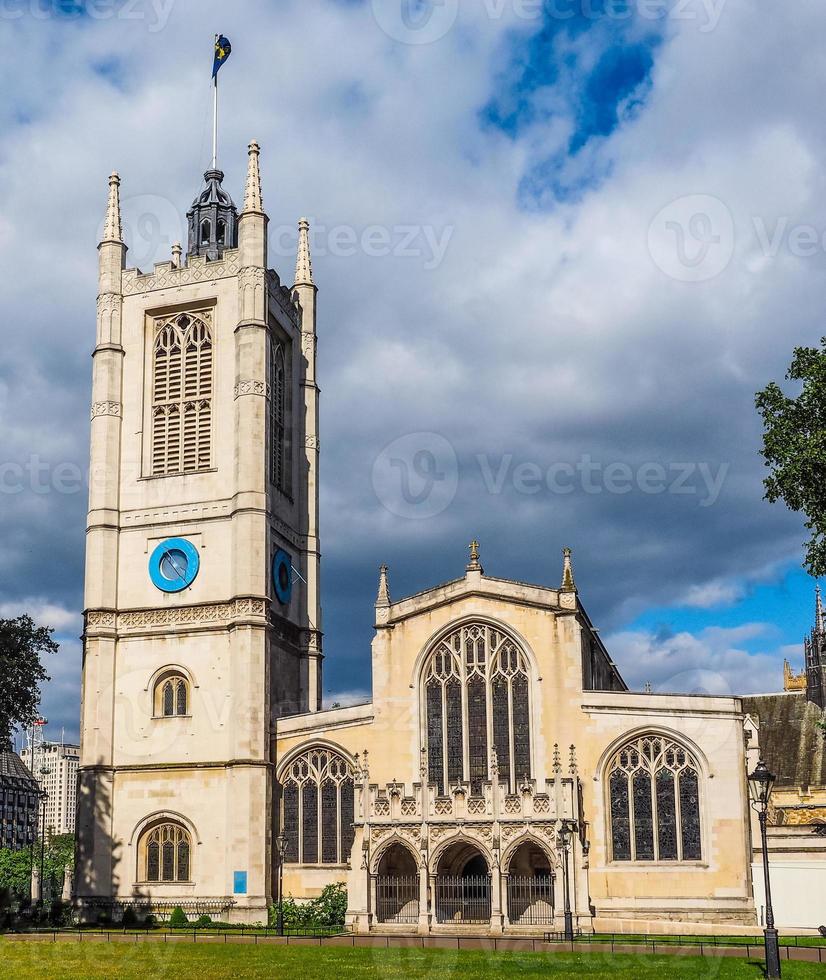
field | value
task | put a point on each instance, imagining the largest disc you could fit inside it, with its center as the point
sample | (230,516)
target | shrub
(203,922)
(178,919)
(130,918)
(325,912)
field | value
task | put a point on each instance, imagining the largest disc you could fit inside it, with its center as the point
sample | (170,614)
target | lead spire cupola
(213,219)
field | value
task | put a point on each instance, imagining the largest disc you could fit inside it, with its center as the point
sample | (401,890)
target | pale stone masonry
(501,765)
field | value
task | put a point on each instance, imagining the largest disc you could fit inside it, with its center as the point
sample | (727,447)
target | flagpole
(215,124)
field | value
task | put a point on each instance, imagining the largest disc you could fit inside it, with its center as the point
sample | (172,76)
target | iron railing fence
(531,900)
(463,900)
(397,899)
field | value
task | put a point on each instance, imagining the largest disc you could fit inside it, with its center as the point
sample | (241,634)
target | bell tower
(202,608)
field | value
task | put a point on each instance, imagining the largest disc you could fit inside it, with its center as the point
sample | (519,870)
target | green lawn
(27,961)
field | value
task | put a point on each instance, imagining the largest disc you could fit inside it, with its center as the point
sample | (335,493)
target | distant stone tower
(815,656)
(202,609)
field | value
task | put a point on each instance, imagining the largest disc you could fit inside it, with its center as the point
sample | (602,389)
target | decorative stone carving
(114,409)
(195,615)
(248,387)
(97,619)
(165,276)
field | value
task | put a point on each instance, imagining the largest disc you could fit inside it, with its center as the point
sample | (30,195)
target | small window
(222,232)
(171,696)
(206,232)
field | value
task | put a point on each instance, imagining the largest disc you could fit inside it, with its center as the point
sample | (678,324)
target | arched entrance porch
(397,887)
(463,886)
(530,886)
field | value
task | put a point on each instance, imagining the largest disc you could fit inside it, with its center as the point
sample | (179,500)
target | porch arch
(398,884)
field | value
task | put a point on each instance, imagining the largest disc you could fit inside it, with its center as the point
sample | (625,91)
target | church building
(502,779)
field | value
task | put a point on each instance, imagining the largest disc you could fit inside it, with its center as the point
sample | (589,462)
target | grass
(38,961)
(706,940)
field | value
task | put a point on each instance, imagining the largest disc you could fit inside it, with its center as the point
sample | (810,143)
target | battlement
(165,275)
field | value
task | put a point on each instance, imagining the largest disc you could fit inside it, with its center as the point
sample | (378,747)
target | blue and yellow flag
(223,49)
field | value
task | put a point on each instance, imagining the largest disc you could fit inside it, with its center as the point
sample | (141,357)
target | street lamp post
(566,832)
(761,782)
(281,847)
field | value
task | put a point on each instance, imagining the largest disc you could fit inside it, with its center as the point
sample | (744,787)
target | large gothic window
(476,697)
(182,394)
(165,853)
(318,808)
(278,418)
(653,787)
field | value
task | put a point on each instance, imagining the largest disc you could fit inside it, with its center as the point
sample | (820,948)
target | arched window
(278,417)
(476,696)
(318,808)
(653,787)
(166,853)
(182,395)
(206,232)
(171,696)
(222,232)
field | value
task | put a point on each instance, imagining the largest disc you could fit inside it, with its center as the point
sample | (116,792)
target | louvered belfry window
(653,786)
(182,394)
(278,418)
(318,808)
(476,696)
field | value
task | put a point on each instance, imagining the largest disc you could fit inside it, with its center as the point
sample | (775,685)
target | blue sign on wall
(240,884)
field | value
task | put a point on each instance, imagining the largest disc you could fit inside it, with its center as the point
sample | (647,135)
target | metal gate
(465,900)
(531,900)
(397,899)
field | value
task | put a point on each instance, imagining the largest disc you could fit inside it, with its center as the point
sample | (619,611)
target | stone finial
(383,598)
(474,565)
(494,764)
(303,261)
(572,764)
(819,621)
(557,763)
(177,252)
(423,770)
(568,583)
(112,229)
(253,200)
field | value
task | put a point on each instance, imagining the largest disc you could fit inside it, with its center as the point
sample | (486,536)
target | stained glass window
(168,699)
(166,853)
(171,696)
(180,698)
(493,670)
(318,804)
(620,822)
(309,823)
(690,815)
(654,802)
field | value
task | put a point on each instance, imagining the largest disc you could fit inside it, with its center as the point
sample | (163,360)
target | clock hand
(181,573)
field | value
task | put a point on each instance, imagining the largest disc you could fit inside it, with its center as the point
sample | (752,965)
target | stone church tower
(202,606)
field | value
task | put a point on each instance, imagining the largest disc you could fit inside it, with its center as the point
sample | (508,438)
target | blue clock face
(282,576)
(174,565)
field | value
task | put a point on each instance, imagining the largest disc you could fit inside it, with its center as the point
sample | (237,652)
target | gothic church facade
(502,778)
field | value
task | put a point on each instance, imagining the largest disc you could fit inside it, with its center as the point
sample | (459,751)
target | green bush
(178,919)
(204,922)
(325,912)
(130,918)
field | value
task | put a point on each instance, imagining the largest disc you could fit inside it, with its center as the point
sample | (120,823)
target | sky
(559,245)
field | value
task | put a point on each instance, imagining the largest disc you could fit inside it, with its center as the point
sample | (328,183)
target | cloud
(550,330)
(713,661)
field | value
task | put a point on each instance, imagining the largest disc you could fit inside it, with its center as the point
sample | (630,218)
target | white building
(55,767)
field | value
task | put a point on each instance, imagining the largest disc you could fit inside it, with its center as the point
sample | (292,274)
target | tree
(21,646)
(794,447)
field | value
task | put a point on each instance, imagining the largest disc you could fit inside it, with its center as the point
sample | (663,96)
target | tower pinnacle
(383,599)
(112,230)
(568,583)
(304,263)
(253,201)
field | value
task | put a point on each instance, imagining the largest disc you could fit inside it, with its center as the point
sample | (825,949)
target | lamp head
(761,782)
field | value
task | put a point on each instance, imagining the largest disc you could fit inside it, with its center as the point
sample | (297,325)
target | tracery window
(653,786)
(278,417)
(171,696)
(182,394)
(476,695)
(166,853)
(318,808)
